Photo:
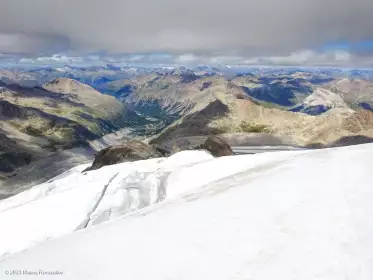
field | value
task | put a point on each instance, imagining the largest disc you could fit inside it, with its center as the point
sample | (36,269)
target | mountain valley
(41,122)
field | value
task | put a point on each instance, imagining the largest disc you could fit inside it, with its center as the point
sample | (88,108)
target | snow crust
(285,215)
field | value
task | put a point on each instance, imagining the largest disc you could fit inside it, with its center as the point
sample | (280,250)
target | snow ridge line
(85,223)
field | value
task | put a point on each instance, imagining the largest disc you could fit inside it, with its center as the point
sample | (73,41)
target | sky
(289,32)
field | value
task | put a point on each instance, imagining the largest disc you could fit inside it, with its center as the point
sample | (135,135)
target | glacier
(285,215)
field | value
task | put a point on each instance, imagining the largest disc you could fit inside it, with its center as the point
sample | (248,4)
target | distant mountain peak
(66,85)
(325,97)
(79,92)
(186,75)
(112,67)
(321,101)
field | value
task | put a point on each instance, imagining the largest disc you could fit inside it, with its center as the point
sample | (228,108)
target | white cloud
(187,58)
(308,57)
(302,57)
(54,59)
(342,56)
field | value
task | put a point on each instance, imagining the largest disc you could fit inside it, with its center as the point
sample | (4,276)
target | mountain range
(47,112)
(63,113)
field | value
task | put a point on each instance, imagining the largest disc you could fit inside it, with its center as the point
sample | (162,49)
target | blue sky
(363,46)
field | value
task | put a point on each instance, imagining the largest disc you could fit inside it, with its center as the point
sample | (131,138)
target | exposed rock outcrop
(136,150)
(213,144)
(217,147)
(352,140)
(130,151)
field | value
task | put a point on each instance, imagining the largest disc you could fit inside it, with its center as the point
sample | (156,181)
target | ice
(75,200)
(287,215)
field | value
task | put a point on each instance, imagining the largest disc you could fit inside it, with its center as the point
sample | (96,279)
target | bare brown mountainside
(65,111)
(239,115)
(175,94)
(63,114)
(78,92)
(244,111)
(354,91)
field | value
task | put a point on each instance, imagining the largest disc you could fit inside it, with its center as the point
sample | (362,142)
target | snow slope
(76,200)
(287,215)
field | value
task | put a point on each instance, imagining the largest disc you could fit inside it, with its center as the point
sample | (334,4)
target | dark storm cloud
(28,44)
(204,27)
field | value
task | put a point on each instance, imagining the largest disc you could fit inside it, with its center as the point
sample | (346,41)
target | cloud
(329,58)
(53,60)
(19,43)
(235,28)
(307,57)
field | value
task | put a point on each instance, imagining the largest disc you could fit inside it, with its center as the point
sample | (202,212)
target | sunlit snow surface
(286,215)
